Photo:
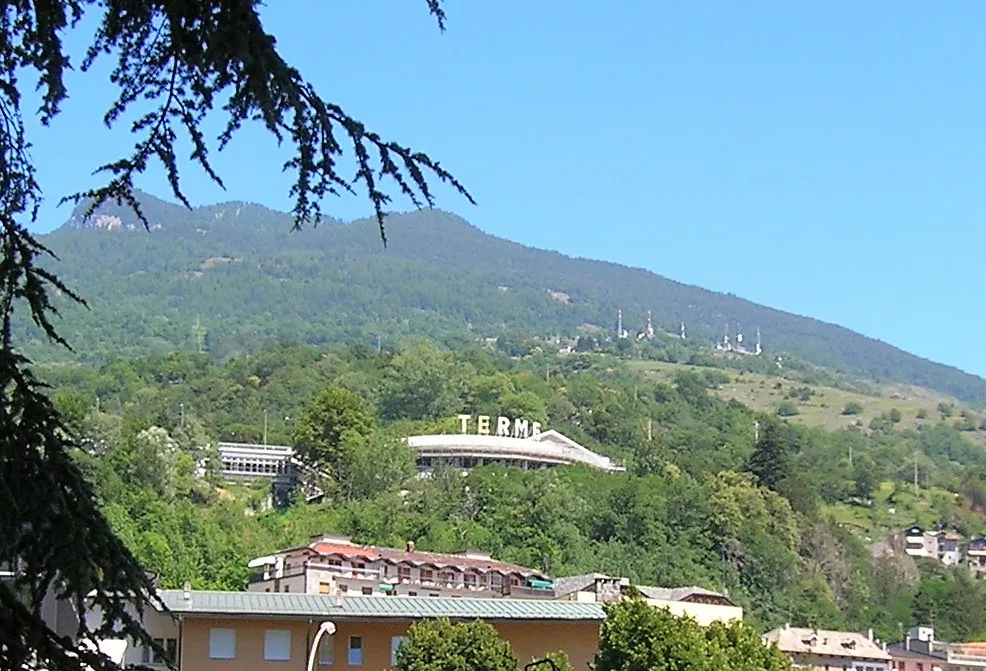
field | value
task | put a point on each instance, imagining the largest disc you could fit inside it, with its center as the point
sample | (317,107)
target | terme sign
(516,428)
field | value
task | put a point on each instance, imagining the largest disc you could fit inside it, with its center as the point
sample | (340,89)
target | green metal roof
(375,607)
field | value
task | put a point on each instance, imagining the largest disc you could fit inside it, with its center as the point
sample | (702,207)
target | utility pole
(182,406)
(850,454)
(97,405)
(756,431)
(265,426)
(379,344)
(650,429)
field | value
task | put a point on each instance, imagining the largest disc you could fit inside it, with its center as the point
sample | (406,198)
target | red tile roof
(419,558)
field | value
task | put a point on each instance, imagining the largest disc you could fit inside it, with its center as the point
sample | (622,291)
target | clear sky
(828,159)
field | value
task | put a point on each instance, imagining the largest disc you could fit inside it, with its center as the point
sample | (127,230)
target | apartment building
(334,565)
(917,652)
(920,648)
(823,650)
(211,631)
(703,605)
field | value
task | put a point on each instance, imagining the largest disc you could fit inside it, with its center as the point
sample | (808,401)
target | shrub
(852,408)
(786,410)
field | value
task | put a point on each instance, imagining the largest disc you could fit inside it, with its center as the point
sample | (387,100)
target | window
(496,579)
(448,577)
(395,644)
(287,588)
(412,594)
(469,579)
(327,650)
(277,645)
(222,643)
(355,651)
(367,591)
(170,645)
(404,572)
(324,587)
(427,574)
(343,589)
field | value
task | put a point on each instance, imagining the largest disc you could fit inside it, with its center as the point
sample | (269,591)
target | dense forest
(705,499)
(232,279)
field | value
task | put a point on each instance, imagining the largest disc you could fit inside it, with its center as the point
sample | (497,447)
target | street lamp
(324,628)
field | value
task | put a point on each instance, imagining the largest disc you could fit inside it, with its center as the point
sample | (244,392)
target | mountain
(230,278)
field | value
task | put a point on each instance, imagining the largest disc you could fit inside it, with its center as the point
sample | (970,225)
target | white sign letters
(517,428)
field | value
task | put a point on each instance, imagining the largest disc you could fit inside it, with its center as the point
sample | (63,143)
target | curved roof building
(467,450)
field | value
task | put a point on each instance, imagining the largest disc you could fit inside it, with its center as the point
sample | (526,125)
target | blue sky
(825,159)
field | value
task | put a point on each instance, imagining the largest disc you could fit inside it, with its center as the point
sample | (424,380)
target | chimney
(410,546)
(907,641)
(787,625)
(187,591)
(869,634)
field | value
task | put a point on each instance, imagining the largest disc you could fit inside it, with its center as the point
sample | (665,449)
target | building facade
(539,450)
(334,565)
(213,631)
(823,650)
(702,605)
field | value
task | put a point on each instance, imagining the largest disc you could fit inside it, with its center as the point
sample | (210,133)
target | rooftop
(825,642)
(483,563)
(897,651)
(680,593)
(287,605)
(577,583)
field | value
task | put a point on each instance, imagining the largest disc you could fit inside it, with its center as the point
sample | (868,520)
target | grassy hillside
(826,406)
(230,279)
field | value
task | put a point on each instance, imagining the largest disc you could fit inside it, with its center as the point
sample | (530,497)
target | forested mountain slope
(707,499)
(231,278)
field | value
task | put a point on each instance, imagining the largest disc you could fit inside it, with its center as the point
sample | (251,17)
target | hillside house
(823,650)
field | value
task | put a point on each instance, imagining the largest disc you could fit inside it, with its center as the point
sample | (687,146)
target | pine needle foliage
(177,63)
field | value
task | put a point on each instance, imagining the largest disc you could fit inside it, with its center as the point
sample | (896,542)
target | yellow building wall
(704,613)
(527,640)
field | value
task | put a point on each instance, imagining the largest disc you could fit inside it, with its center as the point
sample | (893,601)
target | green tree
(424,382)
(326,431)
(945,409)
(439,645)
(636,636)
(894,415)
(771,459)
(852,408)
(560,660)
(865,477)
(376,464)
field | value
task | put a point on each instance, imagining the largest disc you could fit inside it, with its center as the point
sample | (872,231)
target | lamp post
(324,628)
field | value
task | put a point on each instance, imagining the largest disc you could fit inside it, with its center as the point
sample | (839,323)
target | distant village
(946,547)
